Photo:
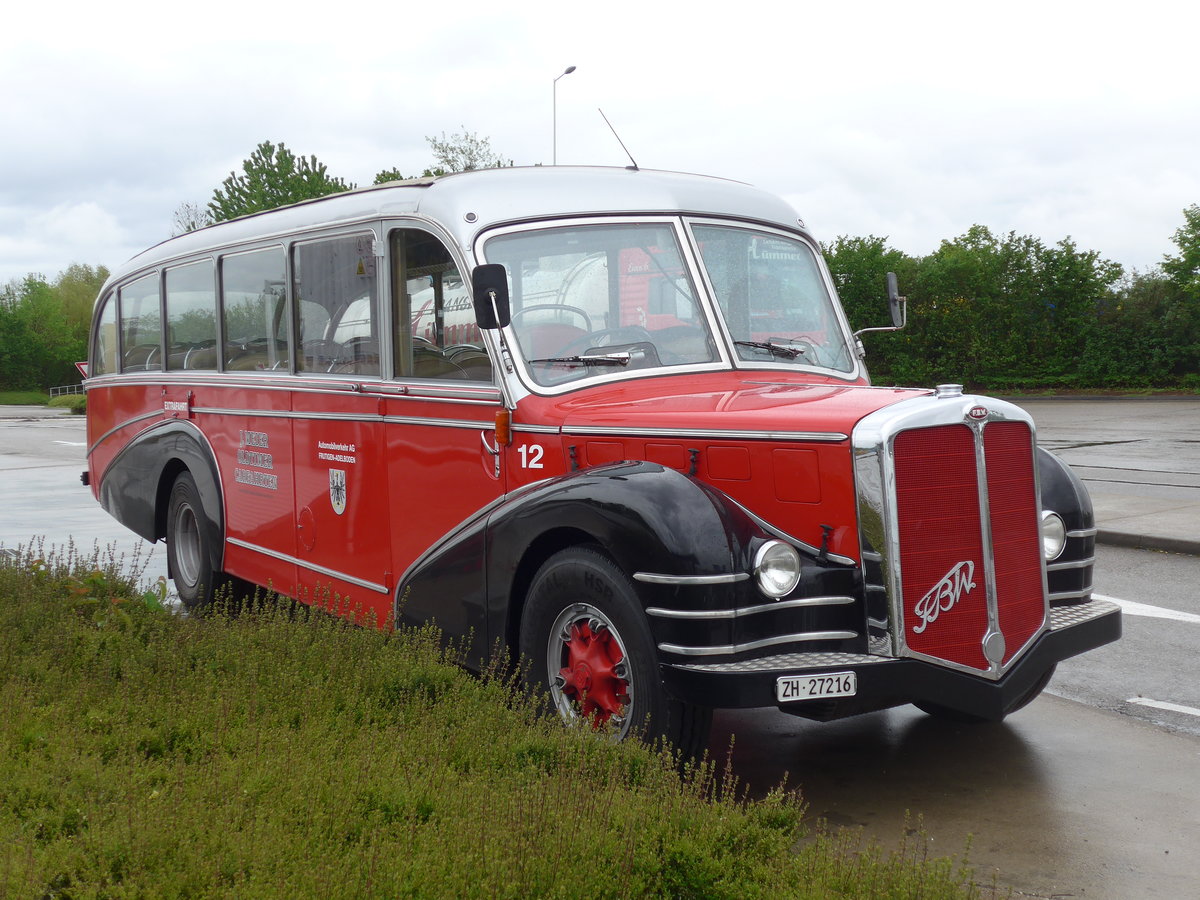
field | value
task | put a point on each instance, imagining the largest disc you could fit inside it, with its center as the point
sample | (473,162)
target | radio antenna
(619,141)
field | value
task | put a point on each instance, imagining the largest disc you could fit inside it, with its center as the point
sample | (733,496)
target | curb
(1158,543)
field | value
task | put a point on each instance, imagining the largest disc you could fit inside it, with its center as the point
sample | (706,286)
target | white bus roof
(467,203)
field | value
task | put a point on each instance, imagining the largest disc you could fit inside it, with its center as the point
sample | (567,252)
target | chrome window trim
(519,371)
(856,370)
(706,614)
(730,649)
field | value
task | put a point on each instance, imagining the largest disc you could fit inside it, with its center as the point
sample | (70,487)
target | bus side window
(435,331)
(253,302)
(141,326)
(104,356)
(337,302)
(191,317)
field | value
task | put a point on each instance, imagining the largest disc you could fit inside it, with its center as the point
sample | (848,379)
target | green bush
(76,403)
(283,753)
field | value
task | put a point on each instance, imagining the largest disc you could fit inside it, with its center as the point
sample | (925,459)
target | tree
(463,152)
(189,216)
(1184,269)
(272,176)
(388,175)
(77,288)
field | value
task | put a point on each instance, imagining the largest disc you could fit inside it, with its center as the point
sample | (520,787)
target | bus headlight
(1054,535)
(777,568)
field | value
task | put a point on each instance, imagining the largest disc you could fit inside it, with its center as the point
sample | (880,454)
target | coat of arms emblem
(337,490)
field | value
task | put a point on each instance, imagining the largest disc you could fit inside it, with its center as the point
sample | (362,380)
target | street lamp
(554,113)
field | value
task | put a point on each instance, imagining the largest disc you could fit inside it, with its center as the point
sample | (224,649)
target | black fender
(1069,578)
(645,516)
(136,485)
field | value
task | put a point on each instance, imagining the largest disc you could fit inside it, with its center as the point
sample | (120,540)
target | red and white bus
(613,420)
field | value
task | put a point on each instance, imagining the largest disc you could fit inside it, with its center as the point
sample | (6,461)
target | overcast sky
(910,120)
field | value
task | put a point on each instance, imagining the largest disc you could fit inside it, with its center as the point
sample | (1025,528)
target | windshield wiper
(606,359)
(775,349)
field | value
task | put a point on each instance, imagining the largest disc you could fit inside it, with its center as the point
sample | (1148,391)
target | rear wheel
(189,546)
(587,639)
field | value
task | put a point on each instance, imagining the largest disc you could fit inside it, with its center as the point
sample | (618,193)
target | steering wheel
(605,338)
(559,306)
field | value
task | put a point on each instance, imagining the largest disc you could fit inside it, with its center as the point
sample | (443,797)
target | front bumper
(884,682)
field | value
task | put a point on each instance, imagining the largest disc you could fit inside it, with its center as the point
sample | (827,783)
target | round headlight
(1054,535)
(777,568)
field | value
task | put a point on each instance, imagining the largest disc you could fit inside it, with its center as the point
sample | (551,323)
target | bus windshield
(599,299)
(772,297)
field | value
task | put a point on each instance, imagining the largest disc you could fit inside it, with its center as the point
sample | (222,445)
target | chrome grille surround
(873,443)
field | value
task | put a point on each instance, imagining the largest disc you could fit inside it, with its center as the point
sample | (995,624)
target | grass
(283,753)
(23,398)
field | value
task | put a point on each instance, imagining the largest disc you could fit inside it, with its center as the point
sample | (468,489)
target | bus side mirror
(896,304)
(489,287)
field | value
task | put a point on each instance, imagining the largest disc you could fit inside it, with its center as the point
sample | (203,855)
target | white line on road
(1162,704)
(72,443)
(1134,608)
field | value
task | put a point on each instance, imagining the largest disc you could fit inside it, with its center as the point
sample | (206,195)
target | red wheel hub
(590,677)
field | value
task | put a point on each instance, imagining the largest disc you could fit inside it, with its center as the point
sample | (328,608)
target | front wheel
(586,637)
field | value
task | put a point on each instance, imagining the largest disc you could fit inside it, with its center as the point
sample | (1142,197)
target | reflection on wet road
(1061,800)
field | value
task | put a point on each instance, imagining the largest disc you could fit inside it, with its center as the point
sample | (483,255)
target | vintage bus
(612,420)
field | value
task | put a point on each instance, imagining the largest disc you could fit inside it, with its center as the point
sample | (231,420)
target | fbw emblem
(337,490)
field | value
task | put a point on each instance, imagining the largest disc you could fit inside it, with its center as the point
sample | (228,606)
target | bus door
(342,511)
(250,429)
(444,466)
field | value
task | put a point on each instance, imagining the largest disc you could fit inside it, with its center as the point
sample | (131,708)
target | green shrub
(76,403)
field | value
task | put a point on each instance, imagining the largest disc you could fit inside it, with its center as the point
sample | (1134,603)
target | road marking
(1170,707)
(1134,608)
(72,443)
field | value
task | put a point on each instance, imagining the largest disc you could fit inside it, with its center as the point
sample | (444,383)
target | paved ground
(1140,459)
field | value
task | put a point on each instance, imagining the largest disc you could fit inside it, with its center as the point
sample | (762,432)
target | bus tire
(189,546)
(588,644)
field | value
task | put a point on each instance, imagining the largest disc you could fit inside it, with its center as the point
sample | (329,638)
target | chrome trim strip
(756,645)
(712,434)
(486,424)
(482,395)
(651,578)
(1083,533)
(535,429)
(284,557)
(784,536)
(1071,564)
(745,610)
(104,437)
(1071,595)
(785,662)
(345,417)
(994,642)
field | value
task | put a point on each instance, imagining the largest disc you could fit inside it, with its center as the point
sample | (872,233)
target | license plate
(816,687)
